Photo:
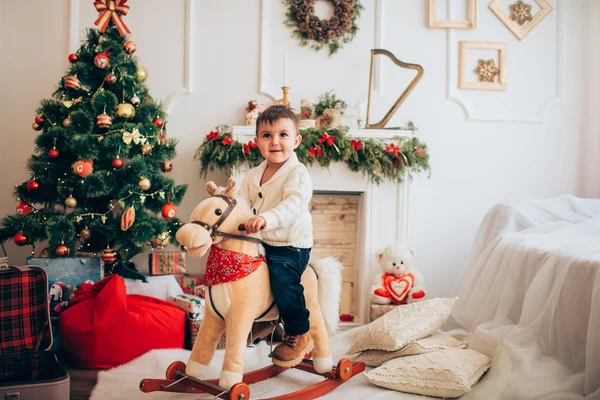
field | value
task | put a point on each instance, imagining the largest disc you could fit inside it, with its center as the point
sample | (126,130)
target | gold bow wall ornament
(135,137)
(381,52)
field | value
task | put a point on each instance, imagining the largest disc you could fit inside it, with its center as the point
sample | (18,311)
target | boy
(279,191)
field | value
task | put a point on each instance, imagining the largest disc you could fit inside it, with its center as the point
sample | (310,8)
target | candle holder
(285,102)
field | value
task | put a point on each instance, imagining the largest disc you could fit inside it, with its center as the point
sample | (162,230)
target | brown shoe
(291,351)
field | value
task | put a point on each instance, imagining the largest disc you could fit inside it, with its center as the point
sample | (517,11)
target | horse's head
(217,215)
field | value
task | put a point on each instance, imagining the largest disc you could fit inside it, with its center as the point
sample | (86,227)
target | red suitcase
(27,369)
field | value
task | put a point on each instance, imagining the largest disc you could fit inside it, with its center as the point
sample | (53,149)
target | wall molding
(188,68)
(264,86)
(453,93)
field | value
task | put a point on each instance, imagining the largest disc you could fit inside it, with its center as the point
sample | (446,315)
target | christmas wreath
(376,159)
(333,32)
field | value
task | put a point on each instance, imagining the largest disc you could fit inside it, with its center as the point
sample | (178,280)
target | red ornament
(130,47)
(53,153)
(117,163)
(111,78)
(62,250)
(71,82)
(163,138)
(20,239)
(32,185)
(158,122)
(38,119)
(83,167)
(108,256)
(72,57)
(346,317)
(36,127)
(103,121)
(23,208)
(101,60)
(168,211)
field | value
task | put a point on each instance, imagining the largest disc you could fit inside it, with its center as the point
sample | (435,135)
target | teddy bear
(399,283)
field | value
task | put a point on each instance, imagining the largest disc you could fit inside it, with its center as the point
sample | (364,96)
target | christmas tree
(99,180)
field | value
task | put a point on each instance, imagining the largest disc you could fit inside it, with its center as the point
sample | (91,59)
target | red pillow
(105,327)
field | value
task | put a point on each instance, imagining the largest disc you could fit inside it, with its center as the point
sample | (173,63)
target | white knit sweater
(283,202)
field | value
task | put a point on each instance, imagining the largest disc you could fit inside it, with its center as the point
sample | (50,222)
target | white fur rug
(123,382)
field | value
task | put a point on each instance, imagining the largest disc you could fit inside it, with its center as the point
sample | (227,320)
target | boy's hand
(255,224)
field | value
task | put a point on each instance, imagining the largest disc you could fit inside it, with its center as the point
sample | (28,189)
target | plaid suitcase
(27,369)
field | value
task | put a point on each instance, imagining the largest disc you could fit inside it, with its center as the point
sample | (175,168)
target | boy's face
(277,142)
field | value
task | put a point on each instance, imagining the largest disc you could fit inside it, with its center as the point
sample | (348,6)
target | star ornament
(487,71)
(520,12)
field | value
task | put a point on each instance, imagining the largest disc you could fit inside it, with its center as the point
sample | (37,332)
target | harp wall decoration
(381,52)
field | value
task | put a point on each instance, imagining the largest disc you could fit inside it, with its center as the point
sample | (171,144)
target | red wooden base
(178,381)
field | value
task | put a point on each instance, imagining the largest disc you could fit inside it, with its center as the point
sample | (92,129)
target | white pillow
(437,341)
(445,373)
(403,325)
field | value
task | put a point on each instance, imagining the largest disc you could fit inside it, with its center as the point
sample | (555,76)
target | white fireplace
(339,179)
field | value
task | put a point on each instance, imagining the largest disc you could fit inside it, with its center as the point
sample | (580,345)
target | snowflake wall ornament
(487,71)
(520,12)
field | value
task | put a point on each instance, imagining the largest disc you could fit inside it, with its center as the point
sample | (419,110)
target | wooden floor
(82,381)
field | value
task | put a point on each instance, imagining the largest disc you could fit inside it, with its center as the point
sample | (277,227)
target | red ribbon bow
(356,144)
(251,145)
(227,140)
(111,9)
(326,138)
(315,150)
(213,135)
(392,148)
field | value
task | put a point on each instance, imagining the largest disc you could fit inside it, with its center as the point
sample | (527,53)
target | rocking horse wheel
(173,368)
(239,391)
(343,370)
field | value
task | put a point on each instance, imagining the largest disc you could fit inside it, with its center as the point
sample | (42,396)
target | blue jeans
(286,266)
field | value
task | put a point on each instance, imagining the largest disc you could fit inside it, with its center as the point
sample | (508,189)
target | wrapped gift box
(192,285)
(167,262)
(377,310)
(192,305)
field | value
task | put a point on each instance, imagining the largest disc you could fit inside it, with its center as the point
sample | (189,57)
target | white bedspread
(534,284)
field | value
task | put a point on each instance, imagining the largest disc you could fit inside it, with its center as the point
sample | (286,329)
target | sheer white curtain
(590,121)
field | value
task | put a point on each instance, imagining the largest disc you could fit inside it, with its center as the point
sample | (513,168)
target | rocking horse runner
(239,293)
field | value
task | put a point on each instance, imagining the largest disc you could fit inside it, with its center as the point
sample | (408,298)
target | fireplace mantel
(339,178)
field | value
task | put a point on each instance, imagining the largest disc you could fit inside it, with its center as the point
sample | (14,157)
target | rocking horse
(217,224)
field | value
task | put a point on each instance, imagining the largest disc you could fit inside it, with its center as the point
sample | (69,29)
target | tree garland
(377,160)
(333,32)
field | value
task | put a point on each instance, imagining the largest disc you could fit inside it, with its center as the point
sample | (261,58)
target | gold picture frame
(471,23)
(381,124)
(464,83)
(518,31)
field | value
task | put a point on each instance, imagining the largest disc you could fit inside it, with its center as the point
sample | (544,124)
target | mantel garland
(333,32)
(378,160)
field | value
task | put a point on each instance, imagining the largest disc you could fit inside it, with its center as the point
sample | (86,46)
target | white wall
(486,147)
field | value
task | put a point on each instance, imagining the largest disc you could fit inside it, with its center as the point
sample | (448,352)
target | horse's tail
(329,272)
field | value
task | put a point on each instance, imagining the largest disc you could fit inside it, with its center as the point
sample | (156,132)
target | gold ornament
(520,12)
(487,71)
(161,240)
(85,234)
(141,73)
(146,148)
(144,183)
(125,110)
(71,202)
(67,122)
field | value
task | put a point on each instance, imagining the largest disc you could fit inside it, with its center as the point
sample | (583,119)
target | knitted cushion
(105,327)
(446,373)
(403,325)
